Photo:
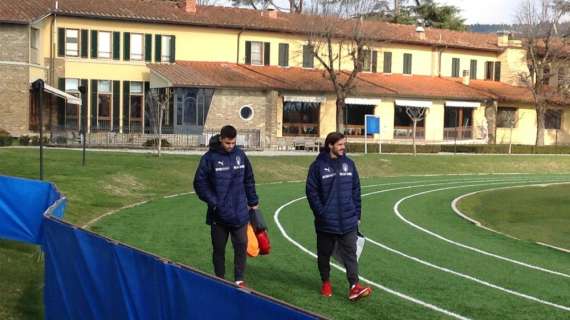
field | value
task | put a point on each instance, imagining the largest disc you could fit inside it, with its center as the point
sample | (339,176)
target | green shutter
(455,67)
(93,104)
(127,46)
(497,71)
(148,47)
(116,46)
(374,61)
(157,48)
(387,62)
(84,43)
(116,105)
(284,54)
(248,52)
(407,63)
(126,105)
(267,54)
(60,42)
(473,70)
(308,57)
(146,107)
(172,49)
(94,44)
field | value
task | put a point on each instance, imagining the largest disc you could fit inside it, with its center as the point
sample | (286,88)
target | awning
(462,104)
(69,98)
(301,98)
(414,103)
(363,101)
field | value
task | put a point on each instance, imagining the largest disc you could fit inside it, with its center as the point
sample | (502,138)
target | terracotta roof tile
(224,17)
(230,75)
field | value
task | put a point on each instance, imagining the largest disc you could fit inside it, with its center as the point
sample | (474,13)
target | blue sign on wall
(372,124)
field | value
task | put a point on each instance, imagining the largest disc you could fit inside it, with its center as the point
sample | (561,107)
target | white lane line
(379,286)
(455,209)
(399,214)
(468,277)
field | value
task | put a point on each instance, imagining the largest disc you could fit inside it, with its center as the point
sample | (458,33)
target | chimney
(188,5)
(466,77)
(269,12)
(503,38)
(420,30)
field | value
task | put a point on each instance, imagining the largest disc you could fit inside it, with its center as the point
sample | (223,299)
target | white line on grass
(379,286)
(480,225)
(399,214)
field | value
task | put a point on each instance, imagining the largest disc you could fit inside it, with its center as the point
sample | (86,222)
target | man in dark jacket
(224,180)
(333,191)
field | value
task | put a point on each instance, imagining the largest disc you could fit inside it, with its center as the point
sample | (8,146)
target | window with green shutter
(148,47)
(84,43)
(116,46)
(497,71)
(473,70)
(308,56)
(455,67)
(387,62)
(407,63)
(284,54)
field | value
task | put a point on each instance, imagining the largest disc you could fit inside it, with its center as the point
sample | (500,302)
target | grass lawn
(539,214)
(175,228)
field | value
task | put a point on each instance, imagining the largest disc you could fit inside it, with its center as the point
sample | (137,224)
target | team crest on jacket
(345,167)
(345,171)
(238,165)
(238,160)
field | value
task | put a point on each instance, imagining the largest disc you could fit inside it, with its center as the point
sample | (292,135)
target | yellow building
(257,71)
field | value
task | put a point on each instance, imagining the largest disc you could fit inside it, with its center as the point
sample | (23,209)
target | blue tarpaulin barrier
(88,276)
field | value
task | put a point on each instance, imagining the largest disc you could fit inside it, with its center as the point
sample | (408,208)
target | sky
(486,11)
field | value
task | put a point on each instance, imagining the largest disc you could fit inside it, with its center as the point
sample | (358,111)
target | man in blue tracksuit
(224,180)
(333,191)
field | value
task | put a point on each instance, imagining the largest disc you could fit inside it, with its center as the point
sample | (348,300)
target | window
(136,103)
(497,71)
(166,48)
(401,118)
(284,54)
(257,53)
(553,119)
(546,75)
(308,56)
(301,118)
(353,117)
(455,62)
(407,63)
(192,106)
(489,70)
(366,60)
(473,70)
(136,46)
(246,112)
(387,62)
(506,117)
(104,44)
(71,114)
(35,38)
(72,42)
(104,104)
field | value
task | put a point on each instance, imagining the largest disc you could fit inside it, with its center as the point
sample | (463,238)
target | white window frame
(252,112)
(72,85)
(134,55)
(254,61)
(71,49)
(100,49)
(165,48)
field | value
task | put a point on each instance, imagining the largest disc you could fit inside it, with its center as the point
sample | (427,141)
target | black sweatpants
(347,246)
(239,241)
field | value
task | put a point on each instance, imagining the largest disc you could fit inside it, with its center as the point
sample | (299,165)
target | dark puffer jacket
(333,191)
(224,180)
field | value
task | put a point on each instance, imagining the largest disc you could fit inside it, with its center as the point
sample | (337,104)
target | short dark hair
(228,132)
(332,138)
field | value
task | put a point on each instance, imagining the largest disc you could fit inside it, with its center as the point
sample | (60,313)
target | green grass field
(447,277)
(538,214)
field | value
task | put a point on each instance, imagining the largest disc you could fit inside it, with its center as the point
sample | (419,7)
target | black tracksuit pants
(220,235)
(347,246)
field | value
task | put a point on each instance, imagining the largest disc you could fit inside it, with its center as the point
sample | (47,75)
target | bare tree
(158,101)
(416,114)
(511,120)
(539,21)
(333,37)
(295,6)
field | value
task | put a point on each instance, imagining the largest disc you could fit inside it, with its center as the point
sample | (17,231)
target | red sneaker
(357,292)
(241,284)
(326,289)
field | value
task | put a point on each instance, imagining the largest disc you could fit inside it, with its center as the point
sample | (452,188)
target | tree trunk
(414,136)
(340,106)
(159,143)
(511,140)
(539,127)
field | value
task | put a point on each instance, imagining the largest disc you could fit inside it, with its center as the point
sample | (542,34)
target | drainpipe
(238,42)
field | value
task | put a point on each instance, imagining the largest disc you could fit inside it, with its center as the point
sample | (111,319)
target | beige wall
(465,58)
(513,64)
(524,131)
